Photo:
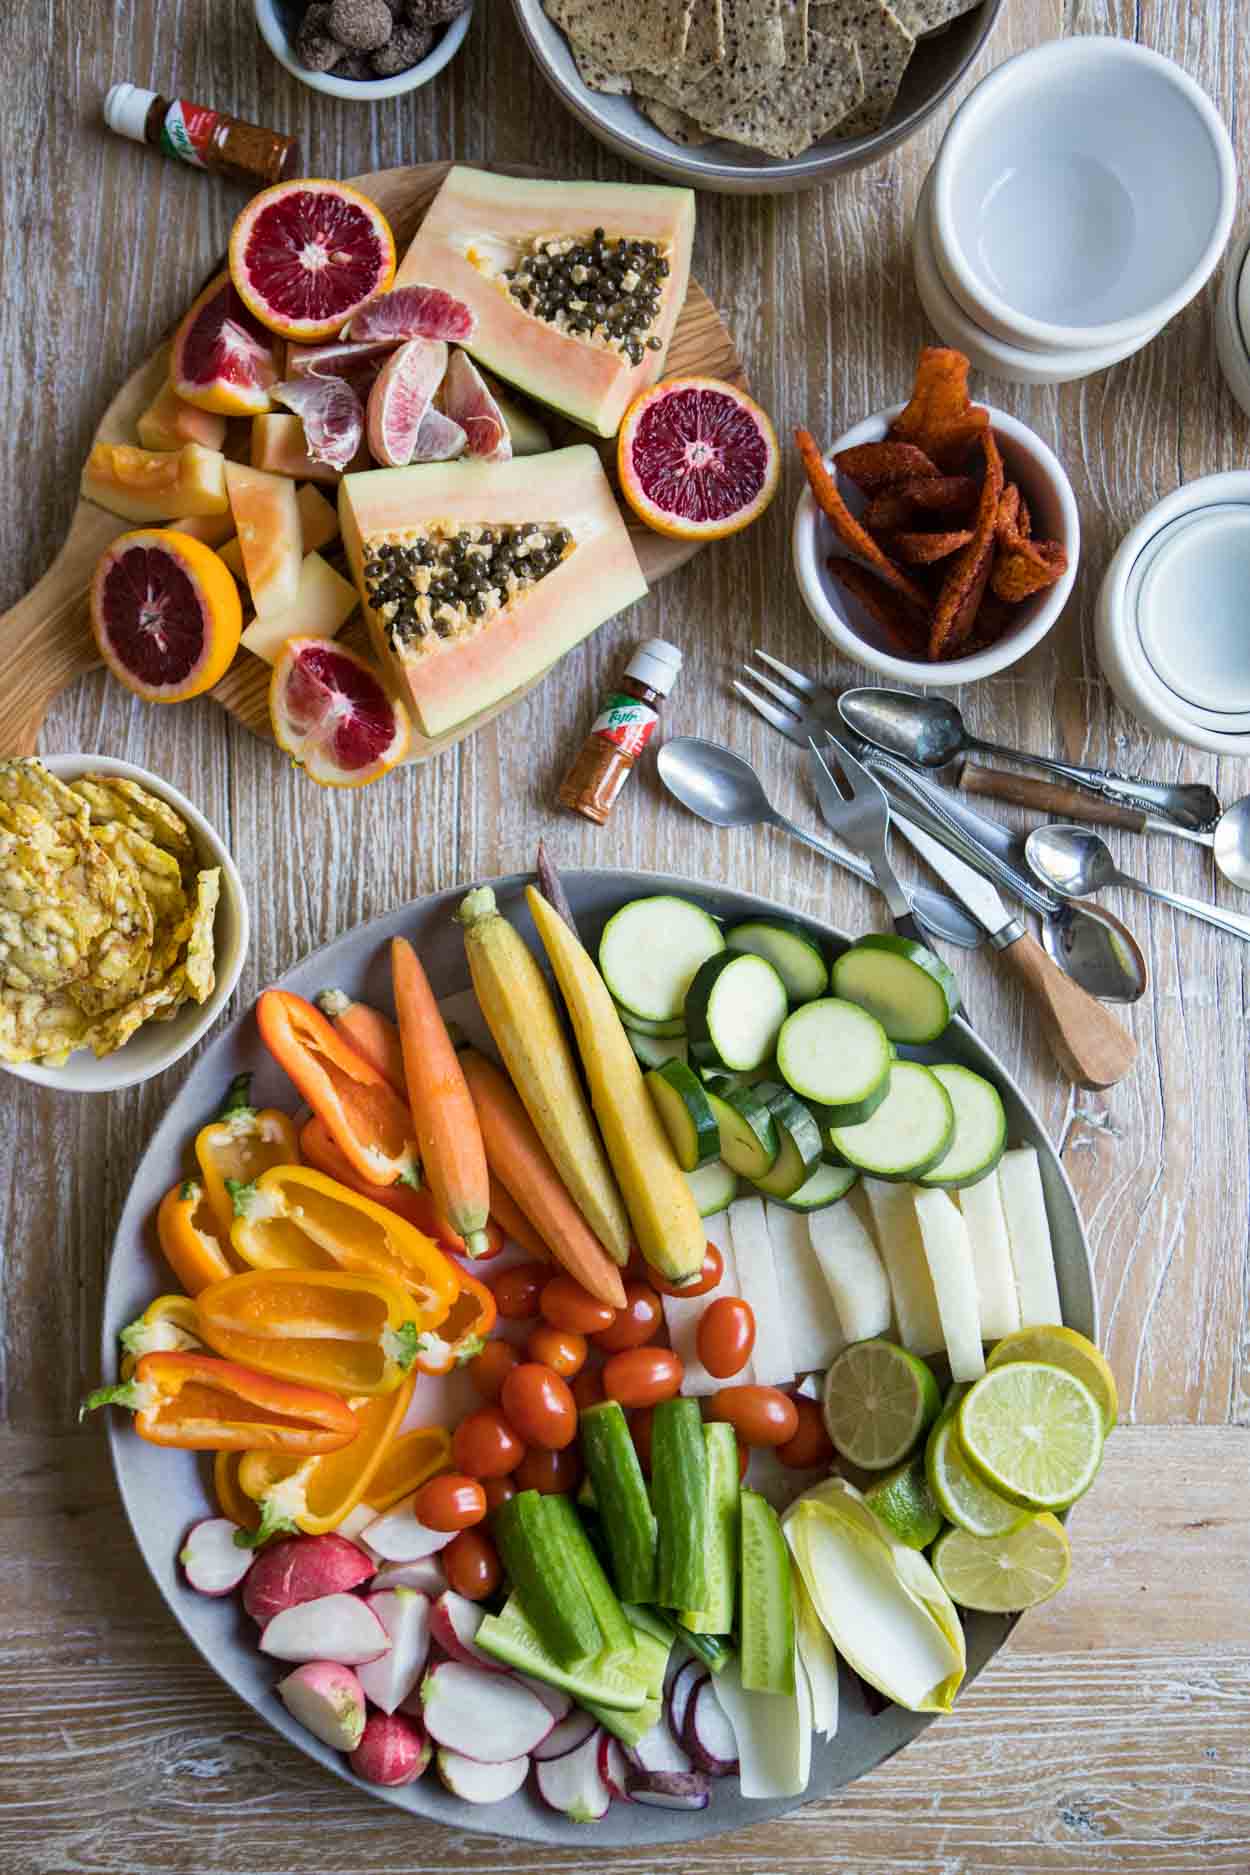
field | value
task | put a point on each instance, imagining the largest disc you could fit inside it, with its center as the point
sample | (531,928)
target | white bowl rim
(1042,59)
(208,841)
(1230,339)
(364,90)
(1012,647)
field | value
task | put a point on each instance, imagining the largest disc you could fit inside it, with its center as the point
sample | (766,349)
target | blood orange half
(222,357)
(697,458)
(330,710)
(307,255)
(165,613)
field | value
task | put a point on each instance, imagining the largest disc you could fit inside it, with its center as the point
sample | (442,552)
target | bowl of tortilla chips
(123,924)
(754,96)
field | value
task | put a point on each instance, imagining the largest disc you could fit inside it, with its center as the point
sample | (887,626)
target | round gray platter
(165,1491)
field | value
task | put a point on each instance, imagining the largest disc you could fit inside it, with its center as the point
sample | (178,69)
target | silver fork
(862,820)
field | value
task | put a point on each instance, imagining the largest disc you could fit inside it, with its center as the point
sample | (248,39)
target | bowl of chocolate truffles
(363,48)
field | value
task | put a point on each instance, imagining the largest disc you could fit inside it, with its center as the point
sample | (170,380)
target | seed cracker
(754,52)
(805,104)
(885,48)
(705,42)
(650,35)
(929,16)
(598,77)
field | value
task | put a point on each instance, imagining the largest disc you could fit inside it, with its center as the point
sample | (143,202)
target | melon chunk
(213,529)
(278,447)
(318,519)
(156,485)
(324,603)
(470,663)
(232,554)
(169,422)
(266,519)
(480,226)
(529,438)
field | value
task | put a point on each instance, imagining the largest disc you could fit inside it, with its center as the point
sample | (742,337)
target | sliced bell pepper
(169,1325)
(406,1464)
(370,1033)
(415,1207)
(241,1143)
(203,1404)
(315,1494)
(323,1328)
(366,1118)
(187,1232)
(463,1334)
(230,1499)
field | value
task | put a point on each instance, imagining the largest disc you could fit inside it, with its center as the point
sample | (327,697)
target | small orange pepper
(315,1494)
(187,1232)
(463,1334)
(415,1207)
(201,1404)
(240,1144)
(230,1499)
(366,1118)
(406,1463)
(349,1333)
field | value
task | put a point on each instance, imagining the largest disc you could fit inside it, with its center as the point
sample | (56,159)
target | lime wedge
(879,1401)
(959,1494)
(903,1502)
(1063,1347)
(1034,1433)
(1001,1575)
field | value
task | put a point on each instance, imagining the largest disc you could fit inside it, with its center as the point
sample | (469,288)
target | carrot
(521,1162)
(374,1036)
(443,1113)
(512,1221)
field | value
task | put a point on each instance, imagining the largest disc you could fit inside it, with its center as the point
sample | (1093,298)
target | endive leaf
(820,1662)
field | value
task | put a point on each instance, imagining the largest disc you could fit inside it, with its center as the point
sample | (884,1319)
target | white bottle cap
(126,110)
(655,663)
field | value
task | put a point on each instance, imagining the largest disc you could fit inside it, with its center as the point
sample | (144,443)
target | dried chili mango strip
(906,626)
(965,582)
(874,466)
(848,530)
(1027,567)
(919,549)
(952,496)
(939,395)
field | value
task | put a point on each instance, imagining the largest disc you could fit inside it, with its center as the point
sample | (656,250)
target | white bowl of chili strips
(936,542)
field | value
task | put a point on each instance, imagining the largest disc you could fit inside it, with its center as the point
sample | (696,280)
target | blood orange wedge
(165,613)
(697,458)
(415,312)
(307,255)
(222,357)
(330,710)
(400,398)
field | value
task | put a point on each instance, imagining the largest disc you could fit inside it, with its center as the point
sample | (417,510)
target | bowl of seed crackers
(123,924)
(754,96)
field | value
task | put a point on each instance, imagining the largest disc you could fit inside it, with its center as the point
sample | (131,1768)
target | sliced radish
(565,1737)
(573,1783)
(425,1575)
(399,1536)
(559,1704)
(392,1750)
(454,1622)
(405,1614)
(669,1790)
(476,1782)
(214,1563)
(327,1700)
(488,1716)
(339,1628)
(360,1516)
(708,1736)
(614,1766)
(658,1750)
(299,1569)
(680,1691)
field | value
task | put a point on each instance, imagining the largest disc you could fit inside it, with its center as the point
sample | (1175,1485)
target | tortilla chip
(674,124)
(952,496)
(846,527)
(939,396)
(905,625)
(965,582)
(951,444)
(1008,515)
(884,47)
(1027,567)
(919,549)
(874,466)
(802,104)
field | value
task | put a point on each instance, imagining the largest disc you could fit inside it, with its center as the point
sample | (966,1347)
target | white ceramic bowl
(157,1045)
(1154,632)
(1083,194)
(274,21)
(1232,320)
(1042,479)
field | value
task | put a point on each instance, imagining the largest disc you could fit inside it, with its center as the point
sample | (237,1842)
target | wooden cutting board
(45,640)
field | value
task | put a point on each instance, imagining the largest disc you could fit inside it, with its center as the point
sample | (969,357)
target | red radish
(614,1766)
(358,1518)
(331,413)
(213,1561)
(487,1716)
(707,1734)
(299,1569)
(398,1536)
(328,1700)
(466,399)
(400,398)
(658,1750)
(680,1690)
(559,1704)
(332,1627)
(669,1790)
(405,1615)
(392,1750)
(567,1736)
(413,312)
(475,1782)
(454,1622)
(438,439)
(573,1783)
(425,1575)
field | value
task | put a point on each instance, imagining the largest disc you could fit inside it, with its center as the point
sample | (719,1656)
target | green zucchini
(686,1112)
(980,1130)
(799,1142)
(766,1619)
(734,1011)
(673,1029)
(910,991)
(654,1050)
(910,1132)
(546,1580)
(748,1132)
(824,1186)
(621,1499)
(679,1496)
(566,1528)
(833,1052)
(650,951)
(715,1614)
(714,1186)
(790,949)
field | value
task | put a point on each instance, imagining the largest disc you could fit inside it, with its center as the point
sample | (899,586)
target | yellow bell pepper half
(315,1494)
(241,1143)
(331,1329)
(406,1463)
(170,1325)
(230,1499)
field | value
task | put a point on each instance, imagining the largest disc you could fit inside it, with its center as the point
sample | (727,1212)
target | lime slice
(878,1402)
(1001,1575)
(903,1502)
(1063,1347)
(958,1492)
(1033,1432)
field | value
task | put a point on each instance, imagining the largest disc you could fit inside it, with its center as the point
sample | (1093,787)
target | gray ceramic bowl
(164,1492)
(939,62)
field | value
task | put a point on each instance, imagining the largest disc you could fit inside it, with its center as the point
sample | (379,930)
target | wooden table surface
(1111,1735)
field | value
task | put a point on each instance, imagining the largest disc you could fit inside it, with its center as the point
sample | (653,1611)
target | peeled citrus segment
(331,712)
(401,397)
(222,357)
(414,312)
(1034,1433)
(170,421)
(467,400)
(271,539)
(153,484)
(331,413)
(1004,1575)
(1063,1347)
(165,614)
(697,458)
(359,364)
(878,1402)
(439,438)
(305,256)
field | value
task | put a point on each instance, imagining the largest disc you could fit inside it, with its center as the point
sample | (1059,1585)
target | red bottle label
(187,132)
(626,723)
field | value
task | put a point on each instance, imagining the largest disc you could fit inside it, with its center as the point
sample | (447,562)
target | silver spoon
(931,732)
(1076,862)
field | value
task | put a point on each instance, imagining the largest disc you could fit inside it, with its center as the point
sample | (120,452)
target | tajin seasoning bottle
(620,732)
(211,140)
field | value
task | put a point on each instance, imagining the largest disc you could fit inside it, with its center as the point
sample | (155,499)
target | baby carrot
(443,1113)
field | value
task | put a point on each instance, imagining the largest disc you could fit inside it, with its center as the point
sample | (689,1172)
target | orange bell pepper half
(364,1115)
(315,1494)
(240,1144)
(202,1404)
(463,1334)
(187,1232)
(415,1207)
(406,1464)
(349,1333)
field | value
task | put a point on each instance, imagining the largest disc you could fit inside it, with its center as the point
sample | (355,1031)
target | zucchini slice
(799,1144)
(654,1050)
(980,1130)
(823,1187)
(683,1105)
(794,955)
(909,990)
(714,1186)
(734,1011)
(910,1132)
(642,1025)
(833,1052)
(650,950)
(748,1132)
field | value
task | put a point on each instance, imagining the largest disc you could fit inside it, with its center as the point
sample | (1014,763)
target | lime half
(1063,1347)
(879,1401)
(904,1503)
(1033,1432)
(959,1493)
(1001,1575)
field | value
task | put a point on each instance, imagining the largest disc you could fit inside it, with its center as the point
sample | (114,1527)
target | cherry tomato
(561,1348)
(708,1278)
(487,1369)
(498,1491)
(640,1428)
(485,1446)
(517,1290)
(565,1304)
(540,1406)
(588,1388)
(551,1472)
(759,1415)
(471,1565)
(744,1459)
(642,1376)
(810,1445)
(637,1323)
(450,1502)
(725,1336)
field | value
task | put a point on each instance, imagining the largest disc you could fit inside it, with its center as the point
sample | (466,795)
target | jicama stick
(1028,1230)
(949,1256)
(757,1284)
(982,1207)
(813,1325)
(898,1239)
(852,1269)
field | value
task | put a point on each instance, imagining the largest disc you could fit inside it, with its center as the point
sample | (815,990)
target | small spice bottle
(225,146)
(620,732)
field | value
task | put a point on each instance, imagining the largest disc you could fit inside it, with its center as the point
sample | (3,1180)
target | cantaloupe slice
(318,519)
(231,554)
(213,529)
(266,519)
(155,485)
(170,421)
(323,605)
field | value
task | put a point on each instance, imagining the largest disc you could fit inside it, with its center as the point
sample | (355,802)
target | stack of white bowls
(1082,196)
